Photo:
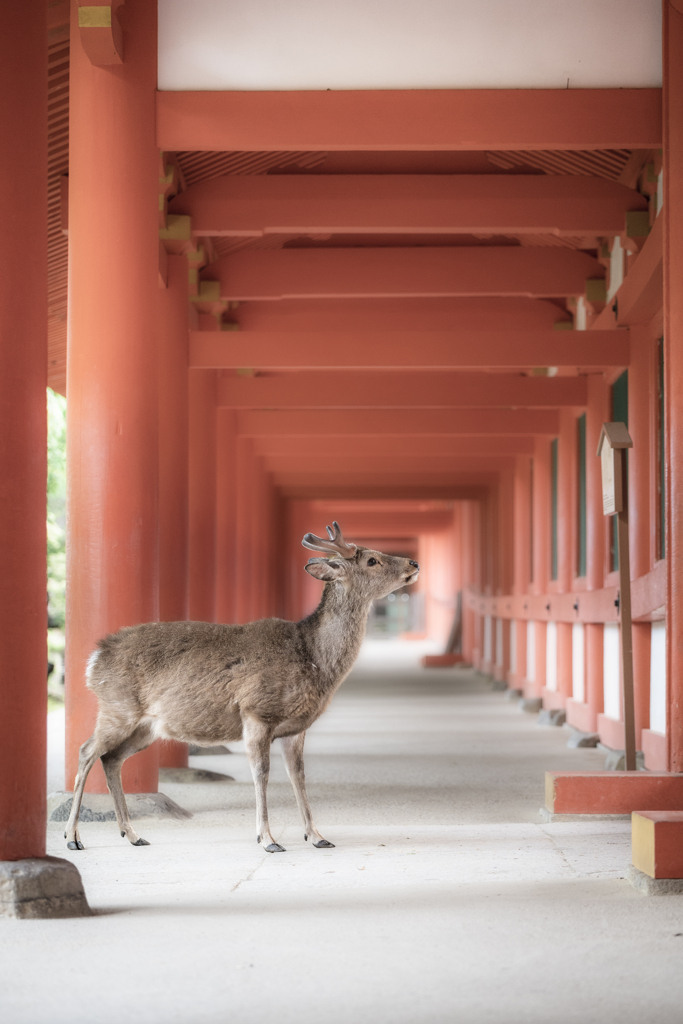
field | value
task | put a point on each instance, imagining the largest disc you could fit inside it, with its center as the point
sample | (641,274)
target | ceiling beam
(325,422)
(380,466)
(419,119)
(312,350)
(442,204)
(392,272)
(333,491)
(391,444)
(344,389)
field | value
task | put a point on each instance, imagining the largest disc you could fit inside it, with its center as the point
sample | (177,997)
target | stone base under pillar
(41,887)
(100,807)
(655,886)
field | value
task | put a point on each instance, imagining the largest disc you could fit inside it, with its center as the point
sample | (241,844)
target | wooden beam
(342,389)
(414,272)
(434,350)
(388,272)
(319,422)
(390,444)
(333,491)
(380,466)
(442,204)
(420,119)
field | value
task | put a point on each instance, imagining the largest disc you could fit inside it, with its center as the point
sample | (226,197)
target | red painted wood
(420,119)
(612,792)
(387,272)
(112,546)
(253,206)
(23,364)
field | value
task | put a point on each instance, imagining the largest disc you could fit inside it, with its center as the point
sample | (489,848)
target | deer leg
(112,762)
(87,756)
(293,753)
(257,739)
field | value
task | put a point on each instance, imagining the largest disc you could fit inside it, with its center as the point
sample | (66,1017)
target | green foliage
(56,506)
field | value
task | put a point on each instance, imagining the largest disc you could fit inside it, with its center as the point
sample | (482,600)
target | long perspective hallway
(445,890)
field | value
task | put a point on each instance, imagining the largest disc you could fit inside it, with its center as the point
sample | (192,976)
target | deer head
(368,574)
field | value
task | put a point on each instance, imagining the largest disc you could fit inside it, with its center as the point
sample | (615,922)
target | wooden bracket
(100,30)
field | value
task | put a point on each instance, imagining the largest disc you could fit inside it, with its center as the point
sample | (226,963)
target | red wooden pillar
(596,414)
(673,363)
(641,387)
(202,499)
(173,462)
(226,507)
(243,530)
(541,557)
(112,547)
(522,562)
(566,546)
(23,363)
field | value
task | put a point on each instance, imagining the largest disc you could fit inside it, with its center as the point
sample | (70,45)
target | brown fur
(206,683)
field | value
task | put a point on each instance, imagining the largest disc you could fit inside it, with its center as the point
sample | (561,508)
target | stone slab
(190,775)
(655,886)
(579,740)
(41,887)
(100,807)
(531,704)
(549,817)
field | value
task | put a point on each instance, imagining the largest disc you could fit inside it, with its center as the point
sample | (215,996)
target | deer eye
(372,561)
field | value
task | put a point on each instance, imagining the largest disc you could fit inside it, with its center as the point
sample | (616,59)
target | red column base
(173,754)
(441,660)
(657,843)
(612,792)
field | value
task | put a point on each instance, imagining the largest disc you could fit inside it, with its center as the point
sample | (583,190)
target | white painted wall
(499,643)
(403,44)
(611,673)
(531,651)
(658,677)
(551,656)
(488,639)
(513,645)
(578,662)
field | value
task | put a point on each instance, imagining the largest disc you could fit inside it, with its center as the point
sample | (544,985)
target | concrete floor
(445,899)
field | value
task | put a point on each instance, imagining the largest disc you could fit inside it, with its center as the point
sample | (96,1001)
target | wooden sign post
(614,441)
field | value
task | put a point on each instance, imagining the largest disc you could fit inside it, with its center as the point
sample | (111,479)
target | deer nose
(415,564)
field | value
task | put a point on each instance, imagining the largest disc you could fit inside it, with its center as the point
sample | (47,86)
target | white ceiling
(409,44)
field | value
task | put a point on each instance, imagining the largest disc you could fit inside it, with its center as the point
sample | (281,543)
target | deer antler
(336,545)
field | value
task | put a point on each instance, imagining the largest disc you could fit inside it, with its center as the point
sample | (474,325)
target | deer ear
(323,570)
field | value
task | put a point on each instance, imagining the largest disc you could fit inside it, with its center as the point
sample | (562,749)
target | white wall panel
(578,662)
(402,44)
(531,651)
(611,675)
(658,677)
(551,656)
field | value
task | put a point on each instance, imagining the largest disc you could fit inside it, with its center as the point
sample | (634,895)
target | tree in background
(56,507)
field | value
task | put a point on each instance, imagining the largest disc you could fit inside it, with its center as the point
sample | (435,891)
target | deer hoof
(275,848)
(140,842)
(323,844)
(75,844)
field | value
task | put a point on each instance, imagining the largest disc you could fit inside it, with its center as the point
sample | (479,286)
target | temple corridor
(445,890)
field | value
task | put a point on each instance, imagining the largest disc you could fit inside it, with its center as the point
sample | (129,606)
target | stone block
(100,807)
(531,704)
(188,775)
(582,739)
(41,887)
(552,716)
(654,886)
(513,694)
(615,760)
(612,792)
(657,843)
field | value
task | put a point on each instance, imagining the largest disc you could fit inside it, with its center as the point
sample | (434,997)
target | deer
(208,683)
